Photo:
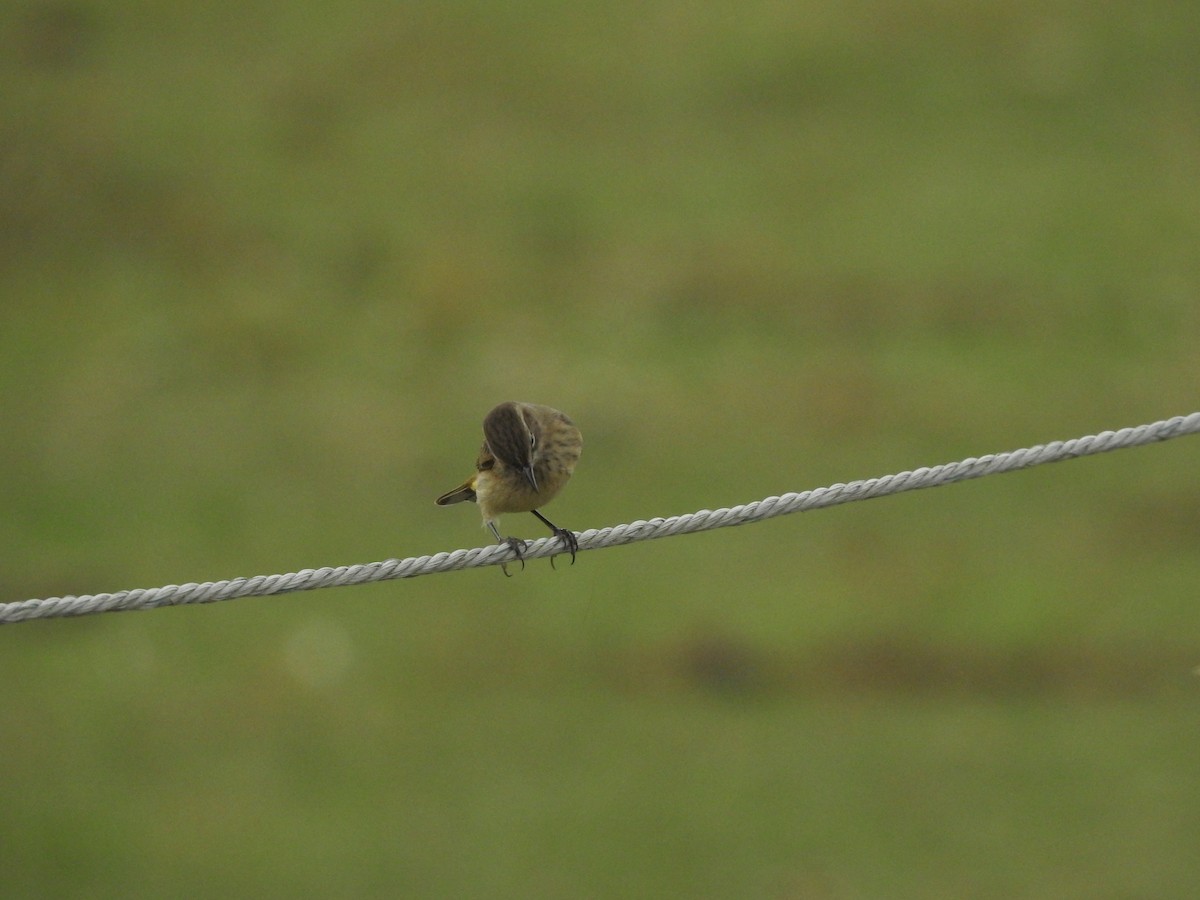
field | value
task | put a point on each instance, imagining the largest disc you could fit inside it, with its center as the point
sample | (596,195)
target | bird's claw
(517,546)
(570,541)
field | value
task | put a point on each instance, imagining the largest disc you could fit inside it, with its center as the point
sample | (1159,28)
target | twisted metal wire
(596,539)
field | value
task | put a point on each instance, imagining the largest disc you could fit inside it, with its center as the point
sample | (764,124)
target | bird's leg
(516,545)
(570,541)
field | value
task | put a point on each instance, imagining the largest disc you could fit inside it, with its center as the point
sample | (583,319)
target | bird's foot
(570,541)
(517,546)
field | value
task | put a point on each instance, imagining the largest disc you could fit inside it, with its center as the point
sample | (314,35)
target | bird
(528,455)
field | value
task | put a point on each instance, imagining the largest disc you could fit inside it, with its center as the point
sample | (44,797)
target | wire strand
(596,539)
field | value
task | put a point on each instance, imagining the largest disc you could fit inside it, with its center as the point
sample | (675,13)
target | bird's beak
(527,471)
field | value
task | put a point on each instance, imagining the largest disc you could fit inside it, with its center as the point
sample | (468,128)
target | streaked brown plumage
(529,452)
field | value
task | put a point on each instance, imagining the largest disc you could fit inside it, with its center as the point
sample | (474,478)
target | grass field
(264,267)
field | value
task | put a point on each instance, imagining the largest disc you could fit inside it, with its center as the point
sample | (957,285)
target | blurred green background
(265,266)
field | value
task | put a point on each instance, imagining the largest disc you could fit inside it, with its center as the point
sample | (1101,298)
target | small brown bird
(529,452)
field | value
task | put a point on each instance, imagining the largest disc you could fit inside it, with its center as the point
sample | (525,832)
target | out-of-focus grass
(265,268)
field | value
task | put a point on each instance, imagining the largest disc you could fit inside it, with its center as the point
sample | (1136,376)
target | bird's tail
(465,491)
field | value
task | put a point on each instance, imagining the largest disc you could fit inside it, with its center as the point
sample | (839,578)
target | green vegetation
(264,267)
